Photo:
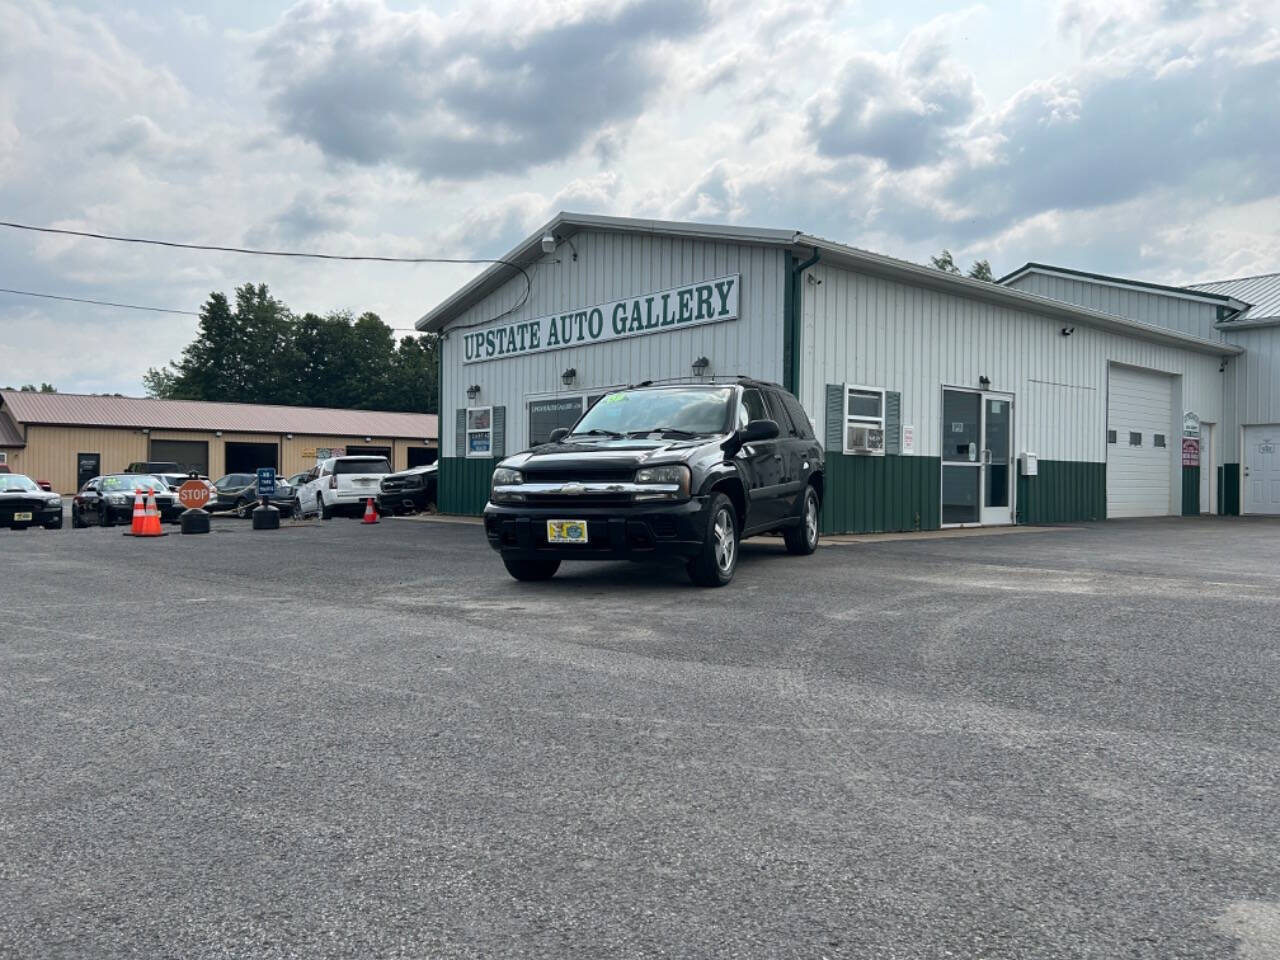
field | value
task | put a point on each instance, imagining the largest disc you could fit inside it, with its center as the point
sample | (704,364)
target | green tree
(32,388)
(260,352)
(981,269)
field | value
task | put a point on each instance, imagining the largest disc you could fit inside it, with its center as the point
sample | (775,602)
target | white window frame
(485,454)
(859,420)
(4,456)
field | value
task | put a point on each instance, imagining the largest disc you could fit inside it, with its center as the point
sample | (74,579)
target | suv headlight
(505,477)
(676,474)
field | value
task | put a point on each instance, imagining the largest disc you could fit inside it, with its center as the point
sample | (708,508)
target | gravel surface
(334,740)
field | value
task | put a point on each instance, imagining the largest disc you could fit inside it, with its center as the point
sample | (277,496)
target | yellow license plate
(566,531)
(27,516)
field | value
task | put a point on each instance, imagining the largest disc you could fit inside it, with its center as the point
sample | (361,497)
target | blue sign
(266,481)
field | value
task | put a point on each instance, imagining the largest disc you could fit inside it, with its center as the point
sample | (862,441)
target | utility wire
(250,251)
(100,303)
(136,306)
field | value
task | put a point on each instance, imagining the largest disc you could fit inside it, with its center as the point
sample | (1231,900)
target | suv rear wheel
(530,568)
(802,539)
(715,564)
(326,513)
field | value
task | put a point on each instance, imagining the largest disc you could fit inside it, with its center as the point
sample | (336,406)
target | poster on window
(478,443)
(552,414)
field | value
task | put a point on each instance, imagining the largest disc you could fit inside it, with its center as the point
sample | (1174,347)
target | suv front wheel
(530,568)
(718,559)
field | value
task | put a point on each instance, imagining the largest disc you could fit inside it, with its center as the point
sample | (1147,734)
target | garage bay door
(1139,443)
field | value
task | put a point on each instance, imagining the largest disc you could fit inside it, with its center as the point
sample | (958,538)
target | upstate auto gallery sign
(708,301)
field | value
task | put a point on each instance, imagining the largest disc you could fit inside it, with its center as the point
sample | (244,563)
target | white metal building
(1235,457)
(941,400)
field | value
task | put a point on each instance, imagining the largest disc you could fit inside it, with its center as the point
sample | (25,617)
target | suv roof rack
(706,381)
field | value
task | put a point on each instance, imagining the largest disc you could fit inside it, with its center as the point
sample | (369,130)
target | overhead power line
(137,306)
(250,251)
(100,303)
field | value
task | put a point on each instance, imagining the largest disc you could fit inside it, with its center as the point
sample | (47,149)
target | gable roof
(1182,293)
(803,245)
(73,409)
(1262,291)
(10,433)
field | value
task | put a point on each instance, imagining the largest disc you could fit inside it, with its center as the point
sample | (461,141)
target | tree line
(258,351)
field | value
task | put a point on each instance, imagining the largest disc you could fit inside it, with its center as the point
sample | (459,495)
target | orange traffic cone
(151,523)
(370,514)
(136,529)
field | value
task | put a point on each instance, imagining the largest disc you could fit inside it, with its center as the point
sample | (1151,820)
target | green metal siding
(1191,491)
(1064,491)
(1229,489)
(881,494)
(463,484)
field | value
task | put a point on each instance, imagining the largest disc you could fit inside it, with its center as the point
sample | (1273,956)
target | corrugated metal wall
(1171,312)
(1253,385)
(881,333)
(610,266)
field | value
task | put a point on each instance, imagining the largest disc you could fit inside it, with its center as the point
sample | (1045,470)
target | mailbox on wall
(1029,464)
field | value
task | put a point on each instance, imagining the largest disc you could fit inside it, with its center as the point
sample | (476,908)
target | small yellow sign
(308,453)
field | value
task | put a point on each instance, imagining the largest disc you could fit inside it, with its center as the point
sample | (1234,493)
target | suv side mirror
(758,430)
(558,434)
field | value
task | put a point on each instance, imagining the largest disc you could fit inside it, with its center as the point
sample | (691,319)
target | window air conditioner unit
(866,440)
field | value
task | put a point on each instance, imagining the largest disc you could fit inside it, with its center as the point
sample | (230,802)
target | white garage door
(1140,450)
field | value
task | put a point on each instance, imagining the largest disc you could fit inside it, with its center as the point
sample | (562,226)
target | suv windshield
(365,465)
(691,410)
(131,481)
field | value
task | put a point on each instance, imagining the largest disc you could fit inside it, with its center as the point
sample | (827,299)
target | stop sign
(193,494)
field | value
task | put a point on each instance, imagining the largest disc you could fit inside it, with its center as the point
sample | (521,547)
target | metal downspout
(793,307)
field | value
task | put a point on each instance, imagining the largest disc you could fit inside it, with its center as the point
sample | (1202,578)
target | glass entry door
(977,457)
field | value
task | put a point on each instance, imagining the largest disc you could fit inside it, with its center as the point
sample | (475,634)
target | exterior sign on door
(908,439)
(708,301)
(1190,452)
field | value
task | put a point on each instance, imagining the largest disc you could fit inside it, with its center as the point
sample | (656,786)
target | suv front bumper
(634,532)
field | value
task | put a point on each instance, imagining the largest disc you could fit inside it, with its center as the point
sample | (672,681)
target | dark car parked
(412,489)
(108,500)
(681,470)
(153,466)
(24,504)
(239,492)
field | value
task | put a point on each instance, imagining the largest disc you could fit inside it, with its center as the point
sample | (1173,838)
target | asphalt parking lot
(335,740)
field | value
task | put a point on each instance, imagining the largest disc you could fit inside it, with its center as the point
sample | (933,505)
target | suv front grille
(580,476)
(569,503)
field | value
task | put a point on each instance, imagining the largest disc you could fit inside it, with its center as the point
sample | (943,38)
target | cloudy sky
(1137,137)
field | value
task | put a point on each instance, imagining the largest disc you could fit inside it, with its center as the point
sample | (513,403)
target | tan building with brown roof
(67,438)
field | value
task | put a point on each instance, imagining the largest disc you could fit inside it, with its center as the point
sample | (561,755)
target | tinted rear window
(367,465)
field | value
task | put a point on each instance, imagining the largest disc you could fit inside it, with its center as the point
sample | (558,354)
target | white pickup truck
(342,484)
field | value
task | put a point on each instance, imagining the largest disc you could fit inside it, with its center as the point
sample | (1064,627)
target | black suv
(670,470)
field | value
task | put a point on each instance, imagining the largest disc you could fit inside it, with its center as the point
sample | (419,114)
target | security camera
(548,243)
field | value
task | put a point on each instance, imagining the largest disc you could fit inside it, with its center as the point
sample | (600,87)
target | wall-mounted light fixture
(146,431)
(700,366)
(570,375)
(473,391)
(984,382)
(1222,367)
(1068,331)
(288,436)
(548,242)
(217,433)
(367,439)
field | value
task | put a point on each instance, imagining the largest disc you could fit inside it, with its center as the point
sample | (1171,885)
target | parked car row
(335,485)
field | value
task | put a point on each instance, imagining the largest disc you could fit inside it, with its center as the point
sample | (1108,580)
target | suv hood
(604,454)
